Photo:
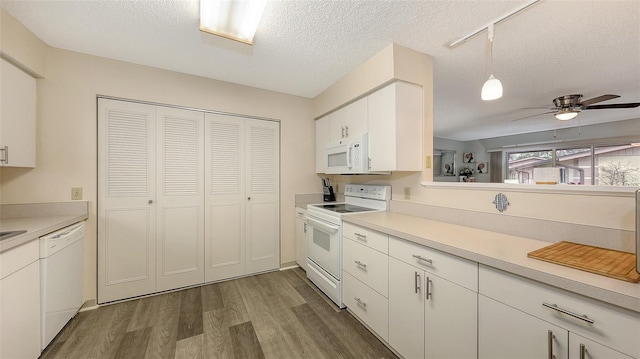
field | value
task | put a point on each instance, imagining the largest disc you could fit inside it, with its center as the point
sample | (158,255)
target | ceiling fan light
(566,114)
(492,89)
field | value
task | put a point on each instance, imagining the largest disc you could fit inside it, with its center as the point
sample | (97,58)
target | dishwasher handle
(65,232)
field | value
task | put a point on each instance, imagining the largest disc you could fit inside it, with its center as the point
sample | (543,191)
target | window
(617,165)
(520,165)
(604,165)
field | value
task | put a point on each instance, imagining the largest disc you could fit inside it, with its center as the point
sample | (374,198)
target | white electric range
(324,234)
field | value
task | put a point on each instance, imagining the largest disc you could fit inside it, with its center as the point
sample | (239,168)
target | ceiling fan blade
(613,105)
(598,99)
(538,114)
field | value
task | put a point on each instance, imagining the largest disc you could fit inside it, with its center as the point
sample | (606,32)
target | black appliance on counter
(327,191)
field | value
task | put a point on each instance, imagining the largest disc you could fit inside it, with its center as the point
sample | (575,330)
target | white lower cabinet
(438,305)
(516,315)
(406,309)
(301,237)
(430,316)
(505,332)
(370,306)
(20,302)
(583,348)
(366,277)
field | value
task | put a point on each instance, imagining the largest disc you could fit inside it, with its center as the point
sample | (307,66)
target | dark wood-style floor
(273,315)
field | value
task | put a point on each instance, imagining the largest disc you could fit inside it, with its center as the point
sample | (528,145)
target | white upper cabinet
(395,128)
(348,121)
(17,117)
(322,138)
(392,116)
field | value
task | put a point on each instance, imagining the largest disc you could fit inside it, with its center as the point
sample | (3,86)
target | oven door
(323,244)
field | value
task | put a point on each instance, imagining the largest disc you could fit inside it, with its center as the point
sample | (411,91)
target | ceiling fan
(567,107)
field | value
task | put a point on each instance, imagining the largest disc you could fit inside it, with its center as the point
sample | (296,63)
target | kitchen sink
(8,234)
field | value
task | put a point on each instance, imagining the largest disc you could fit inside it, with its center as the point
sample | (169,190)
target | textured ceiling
(303,46)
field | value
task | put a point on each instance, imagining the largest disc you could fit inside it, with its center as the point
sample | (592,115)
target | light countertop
(38,220)
(302,200)
(502,251)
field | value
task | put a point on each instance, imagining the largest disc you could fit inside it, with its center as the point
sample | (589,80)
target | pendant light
(492,88)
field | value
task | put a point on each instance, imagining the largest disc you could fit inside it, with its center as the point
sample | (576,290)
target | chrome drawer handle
(569,313)
(360,264)
(421,258)
(5,158)
(361,303)
(583,351)
(361,237)
(550,338)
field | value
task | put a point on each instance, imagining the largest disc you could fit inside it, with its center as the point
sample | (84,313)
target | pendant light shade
(492,89)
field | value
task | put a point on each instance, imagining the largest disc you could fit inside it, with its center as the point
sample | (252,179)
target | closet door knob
(150,201)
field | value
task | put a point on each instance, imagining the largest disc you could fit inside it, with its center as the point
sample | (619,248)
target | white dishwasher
(61,279)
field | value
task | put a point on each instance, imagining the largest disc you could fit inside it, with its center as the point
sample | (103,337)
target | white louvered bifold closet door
(126,184)
(225,197)
(180,198)
(263,187)
(242,183)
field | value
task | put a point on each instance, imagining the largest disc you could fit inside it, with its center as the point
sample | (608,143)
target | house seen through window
(603,165)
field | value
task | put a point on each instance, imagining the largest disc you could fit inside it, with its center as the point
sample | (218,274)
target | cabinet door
(583,348)
(263,201)
(406,309)
(451,317)
(349,121)
(224,197)
(180,198)
(322,139)
(395,128)
(20,313)
(301,238)
(17,117)
(126,192)
(505,332)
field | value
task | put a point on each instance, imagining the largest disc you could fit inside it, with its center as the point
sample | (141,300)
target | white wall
(66,133)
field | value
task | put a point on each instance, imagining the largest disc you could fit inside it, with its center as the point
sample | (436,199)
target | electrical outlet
(407,193)
(427,161)
(76,193)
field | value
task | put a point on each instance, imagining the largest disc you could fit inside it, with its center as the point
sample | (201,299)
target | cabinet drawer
(455,269)
(367,265)
(376,240)
(612,326)
(367,304)
(19,257)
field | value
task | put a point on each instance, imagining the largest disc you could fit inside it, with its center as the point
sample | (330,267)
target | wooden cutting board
(607,262)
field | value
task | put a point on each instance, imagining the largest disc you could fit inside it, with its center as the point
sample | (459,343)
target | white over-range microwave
(349,156)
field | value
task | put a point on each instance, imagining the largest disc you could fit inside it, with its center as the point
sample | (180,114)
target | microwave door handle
(349,162)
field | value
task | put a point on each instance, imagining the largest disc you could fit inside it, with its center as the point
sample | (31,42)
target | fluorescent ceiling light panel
(234,19)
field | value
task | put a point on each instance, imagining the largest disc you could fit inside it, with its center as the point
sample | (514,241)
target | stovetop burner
(344,208)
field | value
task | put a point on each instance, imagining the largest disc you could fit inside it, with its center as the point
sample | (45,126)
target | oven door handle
(322,225)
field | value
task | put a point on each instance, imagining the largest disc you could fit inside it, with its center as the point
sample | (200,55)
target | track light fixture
(492,88)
